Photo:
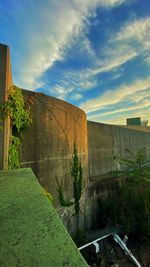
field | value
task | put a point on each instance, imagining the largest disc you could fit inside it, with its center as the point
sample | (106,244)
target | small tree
(76,173)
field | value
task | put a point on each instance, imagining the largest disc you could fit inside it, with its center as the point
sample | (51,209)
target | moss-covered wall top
(30,230)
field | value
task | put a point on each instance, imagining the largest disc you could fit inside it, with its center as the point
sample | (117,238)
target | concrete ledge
(30,230)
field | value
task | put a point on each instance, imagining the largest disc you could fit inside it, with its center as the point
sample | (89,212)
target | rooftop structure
(134,121)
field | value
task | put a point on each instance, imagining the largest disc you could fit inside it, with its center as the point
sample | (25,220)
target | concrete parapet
(5,84)
(31,232)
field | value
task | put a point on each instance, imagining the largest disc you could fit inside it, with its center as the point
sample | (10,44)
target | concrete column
(5,84)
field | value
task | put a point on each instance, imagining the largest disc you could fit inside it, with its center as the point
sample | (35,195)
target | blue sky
(94,54)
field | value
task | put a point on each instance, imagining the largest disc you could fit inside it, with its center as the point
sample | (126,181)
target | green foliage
(14,153)
(18,109)
(62,201)
(129,209)
(19,113)
(76,173)
(134,166)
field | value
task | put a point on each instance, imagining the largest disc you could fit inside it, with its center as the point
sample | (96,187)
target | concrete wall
(105,140)
(5,84)
(48,146)
(48,143)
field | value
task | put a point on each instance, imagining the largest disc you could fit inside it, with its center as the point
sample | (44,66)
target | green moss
(30,229)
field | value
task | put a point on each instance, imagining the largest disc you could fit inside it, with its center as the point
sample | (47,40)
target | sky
(94,54)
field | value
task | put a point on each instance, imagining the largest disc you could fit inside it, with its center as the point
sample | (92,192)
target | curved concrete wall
(105,141)
(48,144)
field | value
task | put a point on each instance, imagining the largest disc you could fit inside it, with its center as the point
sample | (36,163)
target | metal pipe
(93,242)
(122,244)
(118,240)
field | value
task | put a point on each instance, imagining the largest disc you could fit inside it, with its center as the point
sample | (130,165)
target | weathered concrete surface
(48,143)
(105,141)
(5,84)
(100,188)
(30,230)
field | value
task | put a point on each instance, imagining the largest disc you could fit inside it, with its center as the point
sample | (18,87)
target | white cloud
(120,115)
(120,119)
(61,91)
(76,96)
(113,97)
(131,41)
(50,31)
(133,38)
(138,31)
(111,64)
(71,86)
(124,109)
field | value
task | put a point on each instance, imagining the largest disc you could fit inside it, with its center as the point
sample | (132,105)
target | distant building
(134,121)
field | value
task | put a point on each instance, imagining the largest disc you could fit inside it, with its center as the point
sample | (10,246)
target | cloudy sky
(94,54)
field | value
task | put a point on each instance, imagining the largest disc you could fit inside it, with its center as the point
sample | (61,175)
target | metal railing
(118,240)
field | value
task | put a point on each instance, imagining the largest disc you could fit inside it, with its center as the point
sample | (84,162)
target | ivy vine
(14,153)
(19,112)
(76,173)
(63,202)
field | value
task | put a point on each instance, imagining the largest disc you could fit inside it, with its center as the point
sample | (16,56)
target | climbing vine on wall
(19,112)
(76,173)
(14,153)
